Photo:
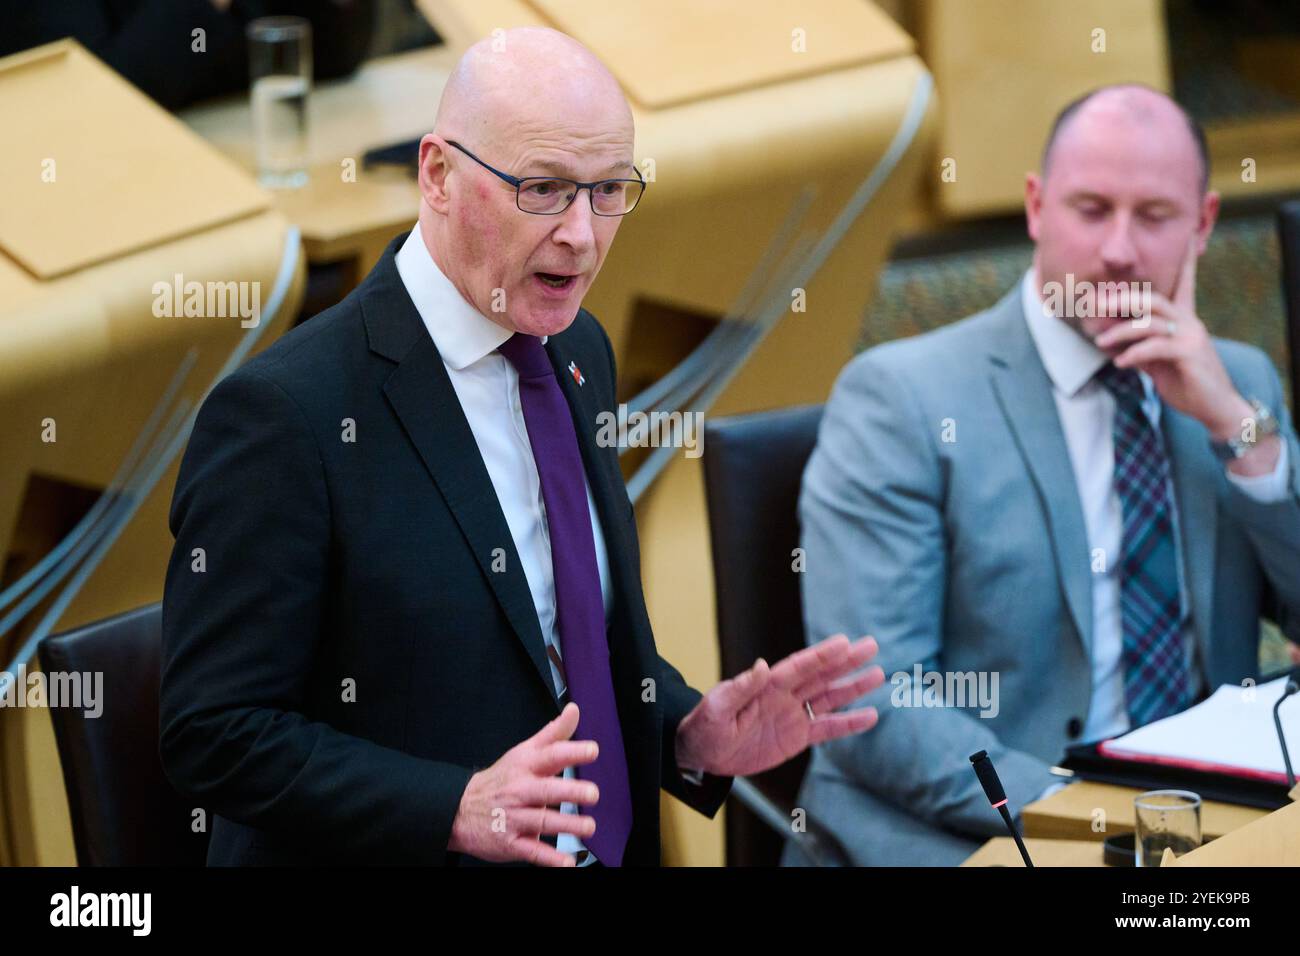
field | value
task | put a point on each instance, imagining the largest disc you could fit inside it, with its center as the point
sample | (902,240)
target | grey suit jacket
(939,512)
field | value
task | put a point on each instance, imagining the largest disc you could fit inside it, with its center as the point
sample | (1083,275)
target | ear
(434,170)
(1208,216)
(1033,203)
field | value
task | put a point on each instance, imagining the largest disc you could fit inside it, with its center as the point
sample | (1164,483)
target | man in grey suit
(1061,517)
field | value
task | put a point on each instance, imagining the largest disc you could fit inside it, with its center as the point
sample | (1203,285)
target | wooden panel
(1068,814)
(1273,840)
(674,51)
(1004,68)
(1001,851)
(127,175)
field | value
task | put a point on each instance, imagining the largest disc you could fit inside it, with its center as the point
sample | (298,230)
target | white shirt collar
(462,334)
(1070,359)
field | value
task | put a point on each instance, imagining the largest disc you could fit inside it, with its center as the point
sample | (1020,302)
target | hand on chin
(1095,326)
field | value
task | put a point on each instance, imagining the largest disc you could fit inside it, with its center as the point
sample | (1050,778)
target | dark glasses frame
(519,184)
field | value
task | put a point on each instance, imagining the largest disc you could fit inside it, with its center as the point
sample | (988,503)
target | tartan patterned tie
(1156,678)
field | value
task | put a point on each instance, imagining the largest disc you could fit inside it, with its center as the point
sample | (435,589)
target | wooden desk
(1001,851)
(1091,811)
(388,100)
(1271,840)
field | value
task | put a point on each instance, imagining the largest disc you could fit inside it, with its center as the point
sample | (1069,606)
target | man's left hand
(763,717)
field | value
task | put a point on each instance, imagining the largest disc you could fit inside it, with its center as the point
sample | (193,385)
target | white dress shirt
(1087,413)
(488,388)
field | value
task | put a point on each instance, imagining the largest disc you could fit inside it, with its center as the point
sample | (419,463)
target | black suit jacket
(340,656)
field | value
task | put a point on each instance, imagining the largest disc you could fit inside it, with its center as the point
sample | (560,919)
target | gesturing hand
(505,808)
(760,718)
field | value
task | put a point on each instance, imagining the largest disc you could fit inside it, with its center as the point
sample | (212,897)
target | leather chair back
(124,810)
(753,467)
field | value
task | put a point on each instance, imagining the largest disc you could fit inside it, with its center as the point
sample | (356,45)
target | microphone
(1291,688)
(998,797)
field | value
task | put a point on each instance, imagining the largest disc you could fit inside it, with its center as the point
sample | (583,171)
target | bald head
(528,78)
(1099,112)
(1122,198)
(525,115)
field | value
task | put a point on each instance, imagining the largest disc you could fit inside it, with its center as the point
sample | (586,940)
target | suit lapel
(1195,474)
(421,395)
(1024,393)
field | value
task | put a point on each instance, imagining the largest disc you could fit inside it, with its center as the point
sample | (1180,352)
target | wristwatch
(1239,445)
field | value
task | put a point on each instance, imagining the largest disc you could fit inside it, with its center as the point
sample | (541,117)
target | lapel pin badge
(576,373)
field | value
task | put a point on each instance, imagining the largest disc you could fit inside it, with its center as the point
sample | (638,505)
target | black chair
(124,810)
(1288,235)
(753,466)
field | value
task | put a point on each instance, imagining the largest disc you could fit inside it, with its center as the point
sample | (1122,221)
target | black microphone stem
(1291,688)
(1020,844)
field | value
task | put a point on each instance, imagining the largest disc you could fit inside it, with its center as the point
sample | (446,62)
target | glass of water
(279,66)
(1166,818)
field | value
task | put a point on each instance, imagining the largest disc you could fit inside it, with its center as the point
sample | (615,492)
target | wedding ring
(808,707)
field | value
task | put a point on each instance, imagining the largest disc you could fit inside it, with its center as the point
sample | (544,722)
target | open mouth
(556,281)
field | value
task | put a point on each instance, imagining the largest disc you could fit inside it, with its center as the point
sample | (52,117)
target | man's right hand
(506,808)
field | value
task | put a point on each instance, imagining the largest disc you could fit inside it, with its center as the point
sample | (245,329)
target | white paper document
(1231,731)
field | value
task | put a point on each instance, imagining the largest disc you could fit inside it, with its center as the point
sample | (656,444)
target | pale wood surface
(1272,840)
(1075,811)
(674,51)
(125,174)
(1004,68)
(1001,851)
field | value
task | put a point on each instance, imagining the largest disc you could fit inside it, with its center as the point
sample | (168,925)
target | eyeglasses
(551,195)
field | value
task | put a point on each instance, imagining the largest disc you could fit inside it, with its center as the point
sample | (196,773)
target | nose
(577,225)
(1118,253)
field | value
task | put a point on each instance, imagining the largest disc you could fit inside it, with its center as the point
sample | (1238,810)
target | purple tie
(580,610)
